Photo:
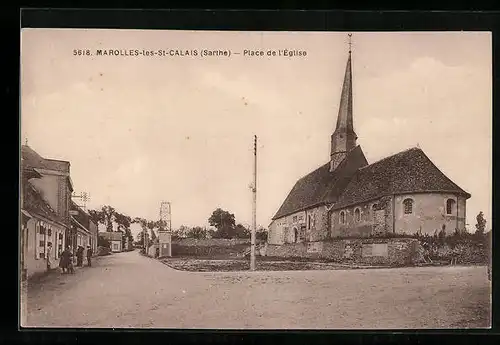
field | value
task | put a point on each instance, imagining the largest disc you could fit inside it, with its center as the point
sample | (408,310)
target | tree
(123,223)
(241,232)
(481,223)
(261,234)
(198,233)
(224,222)
(96,216)
(140,238)
(153,235)
(106,217)
(221,218)
(211,233)
(150,225)
(144,225)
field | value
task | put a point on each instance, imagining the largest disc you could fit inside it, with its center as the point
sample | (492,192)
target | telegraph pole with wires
(84,197)
(254,206)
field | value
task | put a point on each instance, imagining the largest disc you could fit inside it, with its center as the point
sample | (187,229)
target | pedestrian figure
(48,257)
(79,256)
(89,256)
(65,261)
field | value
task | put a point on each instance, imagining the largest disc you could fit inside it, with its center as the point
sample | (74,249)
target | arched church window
(450,206)
(342,217)
(408,206)
(357,214)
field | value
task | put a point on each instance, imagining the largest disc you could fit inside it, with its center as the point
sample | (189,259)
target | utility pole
(84,197)
(254,208)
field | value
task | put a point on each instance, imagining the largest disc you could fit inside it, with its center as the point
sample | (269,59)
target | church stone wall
(304,226)
(461,202)
(429,213)
(368,251)
(282,230)
(318,230)
(375,217)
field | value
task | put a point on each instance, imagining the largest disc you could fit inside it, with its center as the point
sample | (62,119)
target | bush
(462,247)
(261,235)
(102,251)
(197,232)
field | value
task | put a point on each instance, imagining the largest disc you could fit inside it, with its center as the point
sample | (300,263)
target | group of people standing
(66,258)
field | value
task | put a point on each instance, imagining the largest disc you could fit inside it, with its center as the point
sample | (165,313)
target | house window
(408,206)
(50,232)
(450,205)
(357,215)
(342,217)
(42,243)
(42,230)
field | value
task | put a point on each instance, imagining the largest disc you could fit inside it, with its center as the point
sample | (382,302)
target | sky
(139,130)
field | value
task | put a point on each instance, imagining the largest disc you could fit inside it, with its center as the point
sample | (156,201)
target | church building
(346,197)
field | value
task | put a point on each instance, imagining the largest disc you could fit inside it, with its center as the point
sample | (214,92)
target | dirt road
(128,290)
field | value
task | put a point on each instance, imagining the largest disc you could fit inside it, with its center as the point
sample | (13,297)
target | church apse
(427,213)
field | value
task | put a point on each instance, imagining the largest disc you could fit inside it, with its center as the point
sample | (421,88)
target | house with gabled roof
(41,224)
(115,239)
(347,196)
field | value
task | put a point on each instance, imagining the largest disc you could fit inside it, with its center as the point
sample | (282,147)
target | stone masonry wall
(391,252)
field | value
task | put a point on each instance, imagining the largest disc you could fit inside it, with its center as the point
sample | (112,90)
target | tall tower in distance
(165,231)
(344,138)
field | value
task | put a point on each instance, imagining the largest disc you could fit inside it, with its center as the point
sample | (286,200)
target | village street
(129,290)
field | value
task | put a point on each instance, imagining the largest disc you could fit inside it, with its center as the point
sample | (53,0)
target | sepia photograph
(175,179)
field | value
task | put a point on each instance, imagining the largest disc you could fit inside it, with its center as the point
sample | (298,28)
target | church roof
(409,171)
(321,185)
(354,181)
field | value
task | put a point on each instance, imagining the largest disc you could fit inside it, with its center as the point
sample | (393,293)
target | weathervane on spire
(350,42)
(26,141)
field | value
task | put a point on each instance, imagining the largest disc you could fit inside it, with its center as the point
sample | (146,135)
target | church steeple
(344,138)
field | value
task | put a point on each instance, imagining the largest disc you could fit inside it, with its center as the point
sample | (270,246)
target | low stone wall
(192,242)
(399,251)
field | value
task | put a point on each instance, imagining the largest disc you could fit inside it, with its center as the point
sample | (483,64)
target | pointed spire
(344,138)
(344,119)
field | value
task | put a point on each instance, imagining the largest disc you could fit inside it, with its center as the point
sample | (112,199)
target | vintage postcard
(255,180)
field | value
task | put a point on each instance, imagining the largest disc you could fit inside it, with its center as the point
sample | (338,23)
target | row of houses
(48,215)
